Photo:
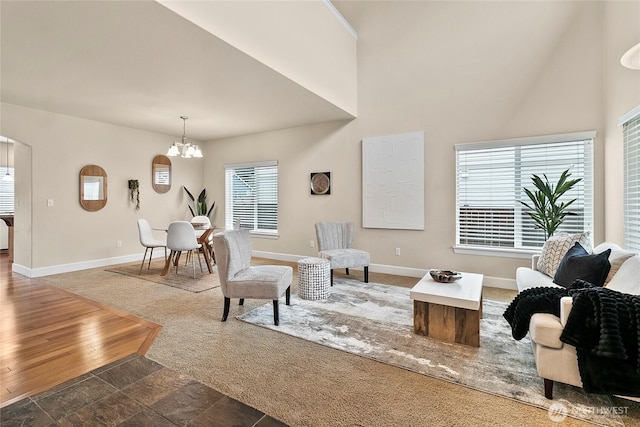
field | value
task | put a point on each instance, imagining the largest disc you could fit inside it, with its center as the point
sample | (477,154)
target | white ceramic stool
(314,278)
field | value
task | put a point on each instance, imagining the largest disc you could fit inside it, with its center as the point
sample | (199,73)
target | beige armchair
(239,279)
(335,241)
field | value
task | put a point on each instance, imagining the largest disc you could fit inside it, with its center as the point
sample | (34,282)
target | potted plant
(134,192)
(545,208)
(200,204)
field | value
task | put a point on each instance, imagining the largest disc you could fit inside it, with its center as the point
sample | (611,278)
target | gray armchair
(334,243)
(239,279)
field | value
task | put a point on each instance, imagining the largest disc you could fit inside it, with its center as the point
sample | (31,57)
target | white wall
(302,40)
(460,71)
(58,147)
(622,94)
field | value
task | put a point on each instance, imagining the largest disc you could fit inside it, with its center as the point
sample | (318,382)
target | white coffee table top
(463,293)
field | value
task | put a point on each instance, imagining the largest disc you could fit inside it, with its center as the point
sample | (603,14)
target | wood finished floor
(49,336)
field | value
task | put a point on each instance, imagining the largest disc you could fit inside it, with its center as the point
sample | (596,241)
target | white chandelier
(183,148)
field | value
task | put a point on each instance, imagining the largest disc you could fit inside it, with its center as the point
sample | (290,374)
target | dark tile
(187,402)
(75,397)
(108,412)
(156,386)
(25,413)
(227,412)
(116,363)
(267,421)
(129,372)
(60,387)
(147,418)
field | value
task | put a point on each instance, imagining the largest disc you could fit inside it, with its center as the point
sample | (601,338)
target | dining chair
(335,241)
(240,279)
(201,223)
(181,238)
(149,241)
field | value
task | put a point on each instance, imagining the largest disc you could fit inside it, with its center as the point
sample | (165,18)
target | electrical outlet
(49,202)
(311,244)
(119,244)
(397,251)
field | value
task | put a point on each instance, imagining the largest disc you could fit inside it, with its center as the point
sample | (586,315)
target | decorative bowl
(445,276)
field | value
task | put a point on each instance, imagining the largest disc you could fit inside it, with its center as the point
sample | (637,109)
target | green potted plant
(545,208)
(134,192)
(200,204)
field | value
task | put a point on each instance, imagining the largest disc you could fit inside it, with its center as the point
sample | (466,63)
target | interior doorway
(16,202)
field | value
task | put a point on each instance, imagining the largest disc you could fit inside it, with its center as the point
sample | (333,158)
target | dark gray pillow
(579,264)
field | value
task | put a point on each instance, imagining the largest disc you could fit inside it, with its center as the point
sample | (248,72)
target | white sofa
(555,360)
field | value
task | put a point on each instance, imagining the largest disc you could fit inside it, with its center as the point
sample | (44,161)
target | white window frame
(510,169)
(630,123)
(250,216)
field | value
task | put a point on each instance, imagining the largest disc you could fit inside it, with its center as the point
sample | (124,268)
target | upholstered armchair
(335,241)
(239,279)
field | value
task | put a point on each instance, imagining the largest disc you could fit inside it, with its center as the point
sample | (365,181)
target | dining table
(203,237)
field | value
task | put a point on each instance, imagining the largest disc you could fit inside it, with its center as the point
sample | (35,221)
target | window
(631,141)
(251,196)
(490,177)
(6,191)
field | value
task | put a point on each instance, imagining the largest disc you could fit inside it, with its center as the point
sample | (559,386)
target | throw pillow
(579,264)
(617,258)
(557,246)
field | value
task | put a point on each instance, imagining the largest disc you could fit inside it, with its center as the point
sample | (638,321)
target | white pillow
(556,247)
(616,258)
(627,279)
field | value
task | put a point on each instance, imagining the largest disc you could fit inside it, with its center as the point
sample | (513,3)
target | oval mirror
(161,173)
(93,188)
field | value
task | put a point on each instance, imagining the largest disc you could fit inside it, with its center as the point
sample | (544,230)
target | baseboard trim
(494,282)
(77,266)
(489,281)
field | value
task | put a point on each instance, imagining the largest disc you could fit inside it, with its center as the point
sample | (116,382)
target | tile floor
(135,392)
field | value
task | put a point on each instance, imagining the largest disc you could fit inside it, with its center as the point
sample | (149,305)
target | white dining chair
(149,241)
(181,238)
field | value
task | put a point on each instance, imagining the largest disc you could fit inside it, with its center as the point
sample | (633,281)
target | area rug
(376,321)
(182,280)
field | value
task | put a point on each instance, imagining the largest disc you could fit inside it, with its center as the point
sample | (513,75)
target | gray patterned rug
(376,321)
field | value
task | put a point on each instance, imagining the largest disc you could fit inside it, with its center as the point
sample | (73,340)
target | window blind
(251,195)
(6,191)
(631,142)
(490,178)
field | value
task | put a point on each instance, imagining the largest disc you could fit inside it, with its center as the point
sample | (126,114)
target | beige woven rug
(183,279)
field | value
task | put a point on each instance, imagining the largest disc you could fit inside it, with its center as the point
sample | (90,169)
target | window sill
(497,252)
(265,235)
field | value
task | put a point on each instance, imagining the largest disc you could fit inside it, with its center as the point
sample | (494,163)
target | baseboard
(489,281)
(494,282)
(77,266)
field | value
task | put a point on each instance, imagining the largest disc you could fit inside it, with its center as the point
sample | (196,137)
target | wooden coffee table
(449,311)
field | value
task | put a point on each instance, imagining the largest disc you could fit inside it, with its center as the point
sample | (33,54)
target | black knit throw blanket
(603,326)
(543,299)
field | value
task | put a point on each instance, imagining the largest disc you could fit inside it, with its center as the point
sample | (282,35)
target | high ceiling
(138,64)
